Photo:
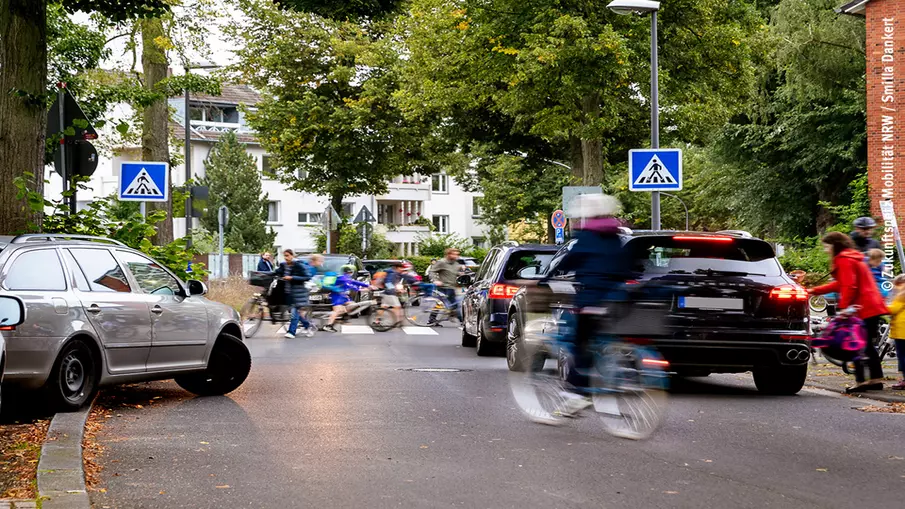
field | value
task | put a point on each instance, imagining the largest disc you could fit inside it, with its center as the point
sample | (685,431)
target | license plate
(317,298)
(711,303)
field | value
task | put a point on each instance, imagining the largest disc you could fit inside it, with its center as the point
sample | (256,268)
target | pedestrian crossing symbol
(144,181)
(655,170)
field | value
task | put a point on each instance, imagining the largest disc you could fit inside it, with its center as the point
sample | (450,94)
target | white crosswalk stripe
(357,329)
(419,331)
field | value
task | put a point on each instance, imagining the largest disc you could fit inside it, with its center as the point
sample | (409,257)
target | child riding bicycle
(339,294)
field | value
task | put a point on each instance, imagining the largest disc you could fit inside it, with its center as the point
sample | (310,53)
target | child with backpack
(897,325)
(875,259)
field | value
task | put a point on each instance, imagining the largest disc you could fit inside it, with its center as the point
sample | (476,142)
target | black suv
(485,305)
(731,308)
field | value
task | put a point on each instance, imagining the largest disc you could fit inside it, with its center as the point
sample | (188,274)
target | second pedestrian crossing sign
(655,169)
(144,181)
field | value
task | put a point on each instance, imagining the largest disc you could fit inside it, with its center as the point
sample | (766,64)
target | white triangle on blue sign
(654,173)
(142,186)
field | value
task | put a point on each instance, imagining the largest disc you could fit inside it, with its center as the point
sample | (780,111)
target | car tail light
(7,327)
(789,292)
(705,238)
(795,337)
(501,291)
(660,363)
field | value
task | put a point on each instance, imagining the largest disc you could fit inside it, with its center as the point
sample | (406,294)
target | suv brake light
(789,292)
(706,238)
(501,291)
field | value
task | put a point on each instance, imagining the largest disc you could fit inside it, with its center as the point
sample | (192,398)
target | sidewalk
(826,376)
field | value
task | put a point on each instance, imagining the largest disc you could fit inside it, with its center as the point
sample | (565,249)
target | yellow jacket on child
(897,323)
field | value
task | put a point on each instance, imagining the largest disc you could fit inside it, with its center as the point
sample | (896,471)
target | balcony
(408,188)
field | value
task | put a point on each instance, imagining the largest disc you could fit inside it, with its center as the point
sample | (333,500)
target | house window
(347,209)
(441,224)
(266,169)
(309,217)
(273,212)
(218,114)
(440,183)
(301,174)
(476,207)
(478,241)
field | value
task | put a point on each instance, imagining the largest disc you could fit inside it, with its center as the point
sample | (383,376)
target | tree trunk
(591,149)
(155,129)
(576,158)
(23,112)
(336,201)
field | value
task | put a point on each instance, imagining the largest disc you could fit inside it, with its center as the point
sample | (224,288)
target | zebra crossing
(365,329)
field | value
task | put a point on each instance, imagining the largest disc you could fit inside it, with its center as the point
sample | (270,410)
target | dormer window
(214,114)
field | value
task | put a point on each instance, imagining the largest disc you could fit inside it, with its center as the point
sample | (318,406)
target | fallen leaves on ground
(20,447)
(890,408)
(92,450)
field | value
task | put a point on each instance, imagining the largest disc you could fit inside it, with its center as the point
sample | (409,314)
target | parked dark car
(731,308)
(485,304)
(375,266)
(334,263)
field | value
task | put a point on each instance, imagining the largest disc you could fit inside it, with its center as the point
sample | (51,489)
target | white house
(295,216)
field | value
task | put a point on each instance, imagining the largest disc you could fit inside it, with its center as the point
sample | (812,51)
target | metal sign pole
(654,115)
(221,219)
(61,100)
(188,170)
(329,227)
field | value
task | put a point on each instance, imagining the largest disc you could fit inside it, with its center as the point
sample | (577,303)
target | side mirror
(12,312)
(197,287)
(528,272)
(465,279)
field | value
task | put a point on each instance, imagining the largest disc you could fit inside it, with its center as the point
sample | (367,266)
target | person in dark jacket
(856,286)
(863,236)
(265,264)
(602,266)
(295,273)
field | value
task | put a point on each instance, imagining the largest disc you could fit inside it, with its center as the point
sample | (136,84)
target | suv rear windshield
(704,256)
(521,259)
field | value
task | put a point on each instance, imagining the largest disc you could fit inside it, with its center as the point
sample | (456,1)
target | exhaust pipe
(792,355)
(804,355)
(798,355)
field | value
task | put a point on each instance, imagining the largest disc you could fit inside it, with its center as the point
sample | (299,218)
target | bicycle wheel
(383,319)
(817,303)
(425,310)
(539,392)
(252,315)
(631,401)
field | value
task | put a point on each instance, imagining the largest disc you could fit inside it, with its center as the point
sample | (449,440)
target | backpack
(844,338)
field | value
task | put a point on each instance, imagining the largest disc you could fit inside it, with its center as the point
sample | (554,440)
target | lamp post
(640,8)
(683,204)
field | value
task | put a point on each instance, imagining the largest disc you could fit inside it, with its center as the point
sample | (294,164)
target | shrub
(436,245)
(233,291)
(421,263)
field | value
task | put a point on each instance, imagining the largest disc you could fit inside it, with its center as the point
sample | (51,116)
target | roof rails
(738,233)
(510,243)
(625,230)
(50,237)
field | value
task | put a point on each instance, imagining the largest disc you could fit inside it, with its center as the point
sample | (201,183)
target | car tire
(73,381)
(228,367)
(484,348)
(780,380)
(516,356)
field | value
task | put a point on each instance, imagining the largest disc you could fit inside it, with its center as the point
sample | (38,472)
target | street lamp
(640,8)
(683,204)
(188,154)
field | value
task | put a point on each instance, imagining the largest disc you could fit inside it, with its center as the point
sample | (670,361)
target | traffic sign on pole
(569,193)
(655,169)
(558,219)
(364,216)
(144,181)
(560,236)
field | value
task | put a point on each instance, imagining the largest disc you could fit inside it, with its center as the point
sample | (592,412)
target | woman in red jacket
(855,285)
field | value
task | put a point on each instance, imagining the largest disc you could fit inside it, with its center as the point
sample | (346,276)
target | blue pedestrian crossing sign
(144,181)
(655,169)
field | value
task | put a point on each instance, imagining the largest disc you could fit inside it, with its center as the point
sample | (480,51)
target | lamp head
(639,7)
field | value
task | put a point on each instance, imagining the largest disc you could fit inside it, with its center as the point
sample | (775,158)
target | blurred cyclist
(391,284)
(339,294)
(601,266)
(444,273)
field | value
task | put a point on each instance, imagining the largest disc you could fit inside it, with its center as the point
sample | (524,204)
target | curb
(874,395)
(61,473)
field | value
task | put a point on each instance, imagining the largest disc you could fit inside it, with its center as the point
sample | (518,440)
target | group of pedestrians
(858,281)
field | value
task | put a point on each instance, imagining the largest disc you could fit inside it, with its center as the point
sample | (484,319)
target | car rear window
(703,255)
(521,259)
(334,264)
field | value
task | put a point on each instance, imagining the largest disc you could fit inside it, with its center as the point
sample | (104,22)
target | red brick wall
(885,102)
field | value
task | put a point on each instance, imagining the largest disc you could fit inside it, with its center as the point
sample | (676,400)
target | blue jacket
(265,266)
(878,277)
(296,292)
(394,277)
(339,290)
(601,265)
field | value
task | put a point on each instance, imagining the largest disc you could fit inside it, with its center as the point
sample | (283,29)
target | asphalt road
(332,422)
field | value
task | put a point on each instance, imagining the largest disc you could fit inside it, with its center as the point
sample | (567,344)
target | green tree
(343,10)
(327,117)
(232,175)
(24,92)
(378,246)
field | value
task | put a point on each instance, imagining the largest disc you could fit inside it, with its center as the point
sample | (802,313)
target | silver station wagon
(100,313)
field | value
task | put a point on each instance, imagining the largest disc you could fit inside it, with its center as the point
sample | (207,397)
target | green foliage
(232,175)
(121,10)
(343,10)
(106,218)
(327,111)
(478,253)
(421,263)
(435,245)
(350,243)
(805,254)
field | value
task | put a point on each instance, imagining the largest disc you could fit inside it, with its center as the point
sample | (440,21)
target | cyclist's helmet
(865,222)
(348,269)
